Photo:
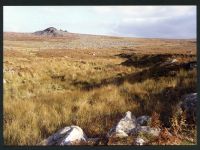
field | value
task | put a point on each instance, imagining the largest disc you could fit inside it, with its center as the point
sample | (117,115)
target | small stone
(174,60)
(139,141)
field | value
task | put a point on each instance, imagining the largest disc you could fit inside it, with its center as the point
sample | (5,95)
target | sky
(128,21)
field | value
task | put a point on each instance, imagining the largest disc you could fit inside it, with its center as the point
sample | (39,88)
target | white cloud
(102,9)
(144,11)
(155,21)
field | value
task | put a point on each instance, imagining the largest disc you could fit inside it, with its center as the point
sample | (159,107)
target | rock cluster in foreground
(129,130)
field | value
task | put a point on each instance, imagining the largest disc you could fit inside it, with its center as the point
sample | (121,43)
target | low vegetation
(49,84)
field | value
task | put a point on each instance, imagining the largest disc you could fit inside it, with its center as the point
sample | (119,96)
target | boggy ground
(91,81)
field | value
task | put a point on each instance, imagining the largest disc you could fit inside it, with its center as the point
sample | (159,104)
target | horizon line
(109,35)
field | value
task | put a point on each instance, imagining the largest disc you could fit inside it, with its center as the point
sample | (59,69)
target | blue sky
(130,21)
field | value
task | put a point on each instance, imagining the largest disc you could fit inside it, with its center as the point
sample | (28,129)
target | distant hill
(51,31)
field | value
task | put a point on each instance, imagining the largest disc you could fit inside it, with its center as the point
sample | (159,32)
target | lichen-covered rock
(143,120)
(70,135)
(124,127)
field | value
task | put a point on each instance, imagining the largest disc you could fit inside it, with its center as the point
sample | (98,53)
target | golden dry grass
(50,84)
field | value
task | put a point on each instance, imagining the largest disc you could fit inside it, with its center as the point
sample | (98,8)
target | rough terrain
(55,79)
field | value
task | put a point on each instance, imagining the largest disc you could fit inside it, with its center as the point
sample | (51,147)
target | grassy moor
(54,79)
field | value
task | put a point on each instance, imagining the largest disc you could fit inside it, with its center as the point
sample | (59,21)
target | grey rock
(69,135)
(189,105)
(51,31)
(124,127)
(191,96)
(143,120)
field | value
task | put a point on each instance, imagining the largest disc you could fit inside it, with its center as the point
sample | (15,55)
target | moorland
(91,81)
